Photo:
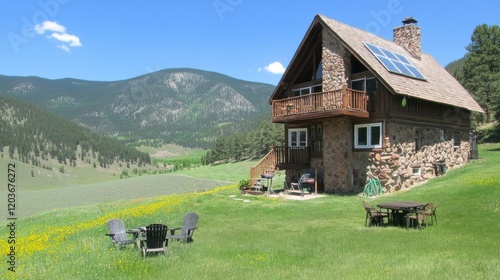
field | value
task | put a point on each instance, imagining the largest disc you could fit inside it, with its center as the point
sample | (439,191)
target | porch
(342,102)
(281,158)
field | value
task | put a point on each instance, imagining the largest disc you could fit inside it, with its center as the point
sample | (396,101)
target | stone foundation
(399,166)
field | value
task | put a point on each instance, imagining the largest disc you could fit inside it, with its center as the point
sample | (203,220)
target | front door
(297,143)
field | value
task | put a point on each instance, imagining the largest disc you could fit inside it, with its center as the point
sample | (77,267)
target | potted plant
(244,185)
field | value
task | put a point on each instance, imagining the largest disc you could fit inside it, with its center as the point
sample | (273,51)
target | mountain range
(188,107)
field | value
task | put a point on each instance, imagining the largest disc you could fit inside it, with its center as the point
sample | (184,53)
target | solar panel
(394,62)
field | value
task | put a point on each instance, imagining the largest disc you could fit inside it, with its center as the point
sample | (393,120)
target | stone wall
(337,155)
(398,166)
(336,63)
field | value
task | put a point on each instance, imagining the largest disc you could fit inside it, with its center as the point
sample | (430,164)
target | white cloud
(275,68)
(49,26)
(59,33)
(67,38)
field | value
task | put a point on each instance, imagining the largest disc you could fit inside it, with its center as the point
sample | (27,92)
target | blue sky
(114,40)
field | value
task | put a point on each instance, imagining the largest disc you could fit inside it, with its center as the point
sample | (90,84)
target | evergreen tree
(482,69)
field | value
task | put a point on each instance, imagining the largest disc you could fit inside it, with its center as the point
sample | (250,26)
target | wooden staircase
(266,165)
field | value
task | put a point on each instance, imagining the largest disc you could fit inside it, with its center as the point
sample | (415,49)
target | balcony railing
(292,156)
(322,104)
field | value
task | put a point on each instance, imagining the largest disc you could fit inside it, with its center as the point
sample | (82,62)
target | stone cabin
(356,106)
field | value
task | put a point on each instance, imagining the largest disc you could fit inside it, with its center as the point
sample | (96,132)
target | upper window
(368,136)
(394,62)
(306,90)
(365,84)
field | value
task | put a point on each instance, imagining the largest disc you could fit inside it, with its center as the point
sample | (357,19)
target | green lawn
(242,237)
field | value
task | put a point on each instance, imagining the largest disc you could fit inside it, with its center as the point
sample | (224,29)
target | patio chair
(187,229)
(430,211)
(302,179)
(118,233)
(374,215)
(417,216)
(155,239)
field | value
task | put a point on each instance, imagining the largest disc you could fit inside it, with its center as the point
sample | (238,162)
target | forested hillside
(33,134)
(456,68)
(187,107)
(246,145)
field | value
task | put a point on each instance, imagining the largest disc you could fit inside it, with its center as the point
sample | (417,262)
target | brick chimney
(408,36)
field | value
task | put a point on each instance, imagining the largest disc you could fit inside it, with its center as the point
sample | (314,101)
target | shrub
(244,184)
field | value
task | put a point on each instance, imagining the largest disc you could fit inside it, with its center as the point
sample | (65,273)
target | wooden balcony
(292,157)
(343,102)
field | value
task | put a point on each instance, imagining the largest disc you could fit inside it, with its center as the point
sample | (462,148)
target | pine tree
(482,69)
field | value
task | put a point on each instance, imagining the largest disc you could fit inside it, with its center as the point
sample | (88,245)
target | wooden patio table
(399,209)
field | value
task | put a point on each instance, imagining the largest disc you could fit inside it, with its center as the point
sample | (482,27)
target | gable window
(368,136)
(319,71)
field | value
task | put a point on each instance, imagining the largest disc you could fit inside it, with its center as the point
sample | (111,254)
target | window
(456,140)
(297,137)
(319,71)
(418,140)
(365,84)
(316,139)
(306,90)
(416,171)
(368,136)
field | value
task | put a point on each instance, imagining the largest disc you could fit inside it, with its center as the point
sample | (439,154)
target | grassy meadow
(244,237)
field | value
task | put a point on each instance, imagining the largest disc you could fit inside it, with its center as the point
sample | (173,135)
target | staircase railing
(266,165)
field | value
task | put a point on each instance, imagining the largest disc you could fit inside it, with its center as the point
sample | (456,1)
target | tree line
(479,72)
(245,145)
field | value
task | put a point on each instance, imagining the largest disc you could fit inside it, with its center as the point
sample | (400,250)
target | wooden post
(345,101)
(315,181)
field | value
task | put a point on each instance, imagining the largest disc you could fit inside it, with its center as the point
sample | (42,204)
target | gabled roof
(439,85)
